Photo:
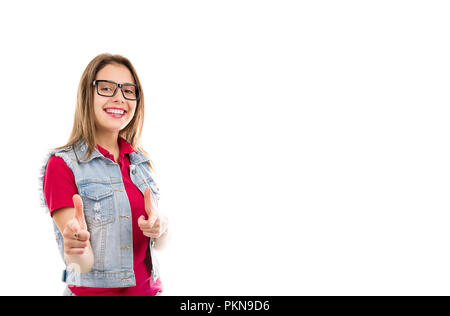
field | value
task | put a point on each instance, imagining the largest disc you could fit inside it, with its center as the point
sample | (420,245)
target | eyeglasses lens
(107,89)
(130,92)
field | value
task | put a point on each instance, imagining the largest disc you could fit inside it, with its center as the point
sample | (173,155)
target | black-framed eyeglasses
(108,88)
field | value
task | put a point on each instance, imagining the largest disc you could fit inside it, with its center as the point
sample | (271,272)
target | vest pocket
(98,203)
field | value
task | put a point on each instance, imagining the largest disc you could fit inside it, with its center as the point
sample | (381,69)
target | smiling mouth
(115,113)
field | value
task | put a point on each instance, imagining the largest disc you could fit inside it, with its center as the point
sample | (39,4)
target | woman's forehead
(117,73)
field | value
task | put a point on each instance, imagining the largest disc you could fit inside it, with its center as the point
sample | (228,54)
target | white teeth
(115,111)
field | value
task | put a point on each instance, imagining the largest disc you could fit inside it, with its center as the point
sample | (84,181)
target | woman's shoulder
(58,159)
(64,148)
(56,163)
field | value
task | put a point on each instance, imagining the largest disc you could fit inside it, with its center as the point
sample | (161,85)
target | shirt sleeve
(59,184)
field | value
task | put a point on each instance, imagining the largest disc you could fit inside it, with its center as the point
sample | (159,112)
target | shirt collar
(124,148)
(80,148)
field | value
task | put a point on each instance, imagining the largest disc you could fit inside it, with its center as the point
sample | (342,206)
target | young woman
(100,189)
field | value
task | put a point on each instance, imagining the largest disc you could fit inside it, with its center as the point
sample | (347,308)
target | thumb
(148,201)
(79,212)
(152,214)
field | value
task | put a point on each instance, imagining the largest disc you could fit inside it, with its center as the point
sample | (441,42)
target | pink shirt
(59,188)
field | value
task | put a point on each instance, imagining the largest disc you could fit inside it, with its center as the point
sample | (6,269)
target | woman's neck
(110,142)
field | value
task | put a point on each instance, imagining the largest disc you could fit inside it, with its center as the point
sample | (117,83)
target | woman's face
(113,122)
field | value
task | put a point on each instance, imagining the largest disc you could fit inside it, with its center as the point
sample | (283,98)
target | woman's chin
(110,129)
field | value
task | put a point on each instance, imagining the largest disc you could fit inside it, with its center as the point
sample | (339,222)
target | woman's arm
(77,248)
(61,193)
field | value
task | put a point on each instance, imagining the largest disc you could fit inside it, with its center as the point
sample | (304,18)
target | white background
(302,147)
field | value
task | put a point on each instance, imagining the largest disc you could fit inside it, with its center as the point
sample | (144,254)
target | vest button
(133,171)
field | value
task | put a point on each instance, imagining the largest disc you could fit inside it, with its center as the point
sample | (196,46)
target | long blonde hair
(84,125)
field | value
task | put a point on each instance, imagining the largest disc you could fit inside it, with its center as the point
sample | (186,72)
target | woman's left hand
(156,225)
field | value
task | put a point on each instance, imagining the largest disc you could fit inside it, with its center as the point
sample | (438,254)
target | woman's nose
(119,96)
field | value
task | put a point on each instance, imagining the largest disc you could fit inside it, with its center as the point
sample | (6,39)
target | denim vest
(108,214)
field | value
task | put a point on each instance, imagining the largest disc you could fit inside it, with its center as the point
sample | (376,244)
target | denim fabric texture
(108,214)
(68,292)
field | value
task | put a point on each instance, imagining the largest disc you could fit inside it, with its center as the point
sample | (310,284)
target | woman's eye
(105,89)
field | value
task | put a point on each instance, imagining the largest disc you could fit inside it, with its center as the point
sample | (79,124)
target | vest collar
(80,149)
(137,158)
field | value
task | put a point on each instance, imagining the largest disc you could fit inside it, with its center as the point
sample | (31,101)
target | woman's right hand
(76,235)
